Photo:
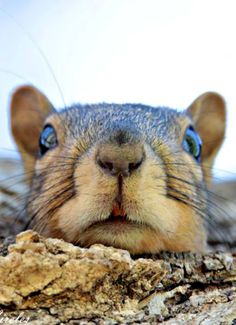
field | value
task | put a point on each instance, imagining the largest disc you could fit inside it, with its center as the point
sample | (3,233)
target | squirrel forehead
(101,120)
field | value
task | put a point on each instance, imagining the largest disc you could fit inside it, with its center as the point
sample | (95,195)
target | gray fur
(125,123)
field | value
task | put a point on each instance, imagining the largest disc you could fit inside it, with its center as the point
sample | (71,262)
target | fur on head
(121,175)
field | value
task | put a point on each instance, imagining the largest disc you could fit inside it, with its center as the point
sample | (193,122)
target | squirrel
(125,175)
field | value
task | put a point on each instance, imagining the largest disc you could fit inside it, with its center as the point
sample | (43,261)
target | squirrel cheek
(93,201)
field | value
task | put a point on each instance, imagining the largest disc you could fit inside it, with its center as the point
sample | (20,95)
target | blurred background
(154,51)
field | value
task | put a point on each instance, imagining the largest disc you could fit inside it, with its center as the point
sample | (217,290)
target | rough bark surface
(49,281)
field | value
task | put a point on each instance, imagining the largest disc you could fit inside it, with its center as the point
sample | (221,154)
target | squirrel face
(129,176)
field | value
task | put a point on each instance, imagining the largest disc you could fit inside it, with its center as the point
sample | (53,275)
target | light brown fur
(154,221)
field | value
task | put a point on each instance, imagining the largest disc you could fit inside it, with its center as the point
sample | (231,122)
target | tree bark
(49,281)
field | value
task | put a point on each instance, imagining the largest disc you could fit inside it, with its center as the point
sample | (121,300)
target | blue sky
(157,52)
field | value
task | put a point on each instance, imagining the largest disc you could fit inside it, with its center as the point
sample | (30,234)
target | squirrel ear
(208,113)
(29,109)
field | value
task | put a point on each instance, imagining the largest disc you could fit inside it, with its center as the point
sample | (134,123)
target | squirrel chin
(137,239)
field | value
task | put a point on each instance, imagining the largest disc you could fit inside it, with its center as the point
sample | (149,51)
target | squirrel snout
(116,160)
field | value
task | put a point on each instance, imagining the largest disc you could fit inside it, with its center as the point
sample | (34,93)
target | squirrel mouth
(118,221)
(117,218)
(118,214)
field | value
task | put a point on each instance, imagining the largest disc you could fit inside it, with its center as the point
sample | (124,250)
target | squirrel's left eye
(48,139)
(192,143)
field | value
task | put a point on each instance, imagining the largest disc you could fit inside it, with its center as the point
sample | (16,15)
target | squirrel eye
(192,143)
(48,139)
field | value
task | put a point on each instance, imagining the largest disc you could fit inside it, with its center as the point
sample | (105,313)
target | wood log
(49,281)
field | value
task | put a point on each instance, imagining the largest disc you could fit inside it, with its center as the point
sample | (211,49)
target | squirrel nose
(120,161)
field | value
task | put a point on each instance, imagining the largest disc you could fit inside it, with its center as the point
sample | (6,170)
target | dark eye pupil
(48,139)
(192,143)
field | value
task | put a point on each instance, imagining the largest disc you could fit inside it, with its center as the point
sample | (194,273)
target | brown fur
(71,196)
(210,123)
(29,108)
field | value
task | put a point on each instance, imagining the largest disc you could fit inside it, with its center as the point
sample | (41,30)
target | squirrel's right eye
(192,143)
(48,139)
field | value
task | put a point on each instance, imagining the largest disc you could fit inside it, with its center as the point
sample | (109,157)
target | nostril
(105,164)
(108,165)
(135,165)
(123,162)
